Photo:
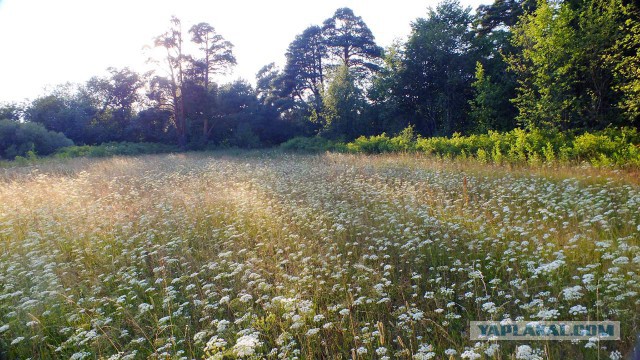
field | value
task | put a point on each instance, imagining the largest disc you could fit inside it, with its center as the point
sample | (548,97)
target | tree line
(561,64)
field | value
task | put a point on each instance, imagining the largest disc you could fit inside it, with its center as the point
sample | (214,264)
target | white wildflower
(381,351)
(470,354)
(144,307)
(246,345)
(525,352)
(577,309)
(617,355)
(215,344)
(489,307)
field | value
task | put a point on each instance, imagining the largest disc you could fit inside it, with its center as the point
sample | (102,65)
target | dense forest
(569,65)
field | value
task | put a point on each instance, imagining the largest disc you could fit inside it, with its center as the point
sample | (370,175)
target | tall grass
(308,256)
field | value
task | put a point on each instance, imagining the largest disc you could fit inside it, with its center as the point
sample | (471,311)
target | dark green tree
(304,72)
(65,110)
(349,39)
(438,68)
(267,80)
(487,103)
(344,107)
(493,25)
(290,114)
(501,15)
(152,125)
(386,110)
(18,139)
(11,111)
(216,56)
(115,98)
(216,53)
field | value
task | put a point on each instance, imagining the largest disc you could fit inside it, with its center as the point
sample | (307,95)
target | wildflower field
(331,256)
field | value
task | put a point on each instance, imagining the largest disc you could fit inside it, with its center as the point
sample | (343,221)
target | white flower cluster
(307,256)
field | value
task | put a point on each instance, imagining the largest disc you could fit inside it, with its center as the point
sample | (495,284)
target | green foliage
(574,66)
(618,147)
(386,112)
(608,147)
(303,75)
(114,148)
(492,18)
(625,58)
(403,142)
(11,111)
(308,144)
(245,138)
(112,99)
(28,139)
(485,106)
(544,66)
(376,144)
(437,70)
(564,81)
(343,106)
(349,39)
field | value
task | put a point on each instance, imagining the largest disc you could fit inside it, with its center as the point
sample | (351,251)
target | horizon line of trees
(562,64)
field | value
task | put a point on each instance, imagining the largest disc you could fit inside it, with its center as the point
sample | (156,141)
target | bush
(371,145)
(405,140)
(28,139)
(114,148)
(244,137)
(377,144)
(533,147)
(308,144)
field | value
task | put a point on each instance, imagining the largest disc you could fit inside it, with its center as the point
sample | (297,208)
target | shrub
(244,137)
(588,146)
(114,148)
(307,144)
(533,147)
(28,139)
(376,144)
(405,140)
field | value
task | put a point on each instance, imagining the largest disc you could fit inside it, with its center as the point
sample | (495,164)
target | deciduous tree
(344,106)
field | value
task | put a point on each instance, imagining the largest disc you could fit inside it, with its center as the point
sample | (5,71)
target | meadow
(283,256)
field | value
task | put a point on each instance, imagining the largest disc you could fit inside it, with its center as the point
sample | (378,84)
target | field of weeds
(280,256)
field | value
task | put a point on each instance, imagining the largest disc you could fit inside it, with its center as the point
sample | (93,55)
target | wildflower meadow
(320,256)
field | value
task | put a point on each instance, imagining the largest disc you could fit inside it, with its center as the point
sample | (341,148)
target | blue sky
(47,42)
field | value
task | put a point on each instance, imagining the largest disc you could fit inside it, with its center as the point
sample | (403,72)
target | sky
(48,42)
